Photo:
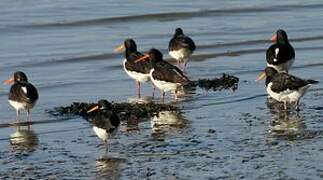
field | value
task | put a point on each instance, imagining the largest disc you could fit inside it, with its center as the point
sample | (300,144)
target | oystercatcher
(137,71)
(280,55)
(286,88)
(23,95)
(164,75)
(105,121)
(181,47)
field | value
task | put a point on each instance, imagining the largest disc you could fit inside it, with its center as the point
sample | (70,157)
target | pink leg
(154,88)
(18,116)
(185,63)
(28,115)
(162,95)
(176,97)
(138,88)
(181,65)
(28,118)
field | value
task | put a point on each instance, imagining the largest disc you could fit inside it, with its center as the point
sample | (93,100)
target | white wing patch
(276,54)
(24,89)
(276,51)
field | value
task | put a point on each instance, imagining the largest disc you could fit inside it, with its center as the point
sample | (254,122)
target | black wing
(180,42)
(105,120)
(286,52)
(283,81)
(23,92)
(167,72)
(142,66)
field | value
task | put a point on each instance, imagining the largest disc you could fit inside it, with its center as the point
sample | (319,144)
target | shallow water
(66,48)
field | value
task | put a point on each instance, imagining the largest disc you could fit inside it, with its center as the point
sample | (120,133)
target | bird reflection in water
(143,99)
(186,92)
(287,125)
(24,139)
(132,121)
(274,106)
(183,93)
(168,122)
(108,167)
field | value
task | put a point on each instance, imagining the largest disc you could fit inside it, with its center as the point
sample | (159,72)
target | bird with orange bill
(286,88)
(22,95)
(164,75)
(137,71)
(280,55)
(104,120)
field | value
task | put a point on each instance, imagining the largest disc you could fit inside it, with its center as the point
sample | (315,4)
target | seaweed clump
(217,84)
(124,110)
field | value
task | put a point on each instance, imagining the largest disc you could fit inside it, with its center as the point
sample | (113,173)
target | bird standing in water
(286,88)
(181,47)
(22,95)
(137,71)
(164,75)
(104,120)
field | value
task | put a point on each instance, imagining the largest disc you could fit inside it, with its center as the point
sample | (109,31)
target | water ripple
(171,16)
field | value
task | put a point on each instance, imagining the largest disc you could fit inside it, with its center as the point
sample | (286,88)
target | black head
(104,104)
(130,45)
(178,31)
(270,71)
(20,77)
(281,36)
(155,55)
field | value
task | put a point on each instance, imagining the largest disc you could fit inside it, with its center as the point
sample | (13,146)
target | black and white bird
(164,75)
(281,54)
(22,95)
(137,71)
(104,120)
(181,47)
(286,88)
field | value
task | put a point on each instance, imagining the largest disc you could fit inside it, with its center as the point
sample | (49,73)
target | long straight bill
(261,76)
(143,58)
(93,109)
(120,48)
(9,81)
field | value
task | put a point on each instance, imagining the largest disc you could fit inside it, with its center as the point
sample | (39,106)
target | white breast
(18,105)
(101,133)
(181,54)
(287,95)
(141,77)
(163,85)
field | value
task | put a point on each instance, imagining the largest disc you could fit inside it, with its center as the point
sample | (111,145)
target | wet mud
(226,81)
(124,110)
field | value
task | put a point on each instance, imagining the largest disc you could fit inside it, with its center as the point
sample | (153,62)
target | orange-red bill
(120,48)
(9,81)
(143,58)
(274,38)
(261,76)
(93,109)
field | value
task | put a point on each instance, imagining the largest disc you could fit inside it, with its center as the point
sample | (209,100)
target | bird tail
(310,81)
